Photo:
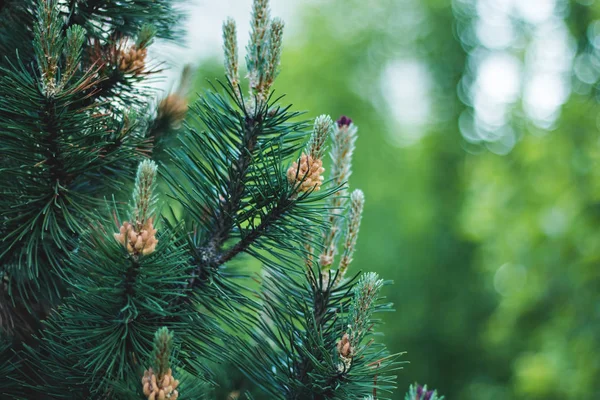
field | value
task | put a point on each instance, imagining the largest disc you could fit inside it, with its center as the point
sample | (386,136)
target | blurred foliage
(494,250)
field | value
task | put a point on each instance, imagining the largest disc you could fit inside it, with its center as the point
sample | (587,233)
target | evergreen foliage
(493,255)
(151,300)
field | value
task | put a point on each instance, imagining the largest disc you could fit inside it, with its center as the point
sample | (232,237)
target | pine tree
(103,298)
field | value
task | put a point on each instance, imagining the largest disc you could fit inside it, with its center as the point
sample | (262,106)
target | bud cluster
(418,392)
(343,138)
(158,383)
(133,60)
(173,109)
(164,388)
(139,236)
(143,242)
(118,52)
(345,352)
(306,174)
(263,52)
(358,324)
(57,48)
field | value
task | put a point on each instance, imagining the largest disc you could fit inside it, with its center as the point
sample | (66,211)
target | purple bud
(423,395)
(344,121)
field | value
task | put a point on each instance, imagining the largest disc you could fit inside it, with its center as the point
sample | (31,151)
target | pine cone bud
(173,109)
(345,352)
(307,176)
(423,394)
(343,121)
(143,242)
(344,347)
(166,389)
(418,392)
(133,60)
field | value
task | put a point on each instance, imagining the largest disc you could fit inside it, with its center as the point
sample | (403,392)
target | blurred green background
(478,153)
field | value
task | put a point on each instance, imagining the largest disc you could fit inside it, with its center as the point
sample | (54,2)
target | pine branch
(54,146)
(240,171)
(278,211)
(237,179)
(124,286)
(60,148)
(73,119)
